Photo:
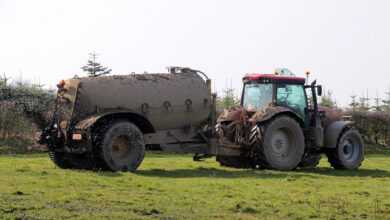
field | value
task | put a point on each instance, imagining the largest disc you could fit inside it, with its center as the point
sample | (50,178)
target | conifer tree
(377,107)
(364,103)
(327,100)
(386,102)
(93,68)
(354,104)
(228,99)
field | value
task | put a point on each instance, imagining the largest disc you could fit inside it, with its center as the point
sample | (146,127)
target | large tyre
(283,144)
(349,153)
(234,161)
(122,147)
(310,161)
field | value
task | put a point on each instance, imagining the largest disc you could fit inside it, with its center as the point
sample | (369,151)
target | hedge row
(374,126)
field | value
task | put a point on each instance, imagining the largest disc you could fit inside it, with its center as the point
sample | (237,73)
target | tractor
(280,125)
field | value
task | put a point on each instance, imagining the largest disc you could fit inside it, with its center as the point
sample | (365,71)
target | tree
(377,107)
(4,80)
(364,103)
(228,99)
(354,104)
(93,68)
(386,102)
(327,100)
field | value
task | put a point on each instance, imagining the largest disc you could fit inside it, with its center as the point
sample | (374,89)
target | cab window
(293,97)
(257,96)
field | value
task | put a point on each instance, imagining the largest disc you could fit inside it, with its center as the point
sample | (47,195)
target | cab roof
(273,78)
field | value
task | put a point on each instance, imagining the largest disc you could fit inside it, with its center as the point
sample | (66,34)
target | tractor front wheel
(349,152)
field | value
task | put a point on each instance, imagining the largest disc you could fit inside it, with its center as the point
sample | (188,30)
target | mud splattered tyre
(283,145)
(122,147)
(234,161)
(310,161)
(349,153)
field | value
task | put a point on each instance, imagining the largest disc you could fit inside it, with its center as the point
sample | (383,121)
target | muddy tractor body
(279,125)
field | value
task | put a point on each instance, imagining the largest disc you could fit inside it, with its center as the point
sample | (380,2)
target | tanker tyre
(122,147)
(60,160)
(283,144)
(349,152)
(310,161)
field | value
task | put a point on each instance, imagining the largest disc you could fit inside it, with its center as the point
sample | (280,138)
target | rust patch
(86,123)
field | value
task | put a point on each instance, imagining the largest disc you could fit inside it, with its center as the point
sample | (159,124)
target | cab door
(292,96)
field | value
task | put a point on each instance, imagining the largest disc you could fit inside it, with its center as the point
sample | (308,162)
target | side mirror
(319,90)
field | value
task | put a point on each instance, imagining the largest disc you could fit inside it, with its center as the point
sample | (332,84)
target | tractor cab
(261,91)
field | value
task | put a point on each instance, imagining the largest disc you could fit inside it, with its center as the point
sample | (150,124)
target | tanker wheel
(234,161)
(60,160)
(283,145)
(310,161)
(349,153)
(122,147)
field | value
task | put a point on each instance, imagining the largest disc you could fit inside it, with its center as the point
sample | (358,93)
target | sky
(344,44)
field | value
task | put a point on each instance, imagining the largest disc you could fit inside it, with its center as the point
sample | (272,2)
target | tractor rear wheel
(283,144)
(349,152)
(122,147)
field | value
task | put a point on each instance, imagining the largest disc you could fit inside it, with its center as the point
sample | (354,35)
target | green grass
(175,187)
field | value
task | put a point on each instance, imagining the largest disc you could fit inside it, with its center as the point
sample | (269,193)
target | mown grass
(174,187)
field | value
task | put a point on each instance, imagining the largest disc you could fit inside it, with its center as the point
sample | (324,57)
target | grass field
(175,187)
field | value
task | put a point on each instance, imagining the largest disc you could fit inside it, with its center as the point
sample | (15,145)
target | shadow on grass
(362,172)
(211,172)
(109,174)
(266,174)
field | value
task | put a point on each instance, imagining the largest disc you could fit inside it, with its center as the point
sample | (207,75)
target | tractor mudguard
(333,132)
(272,111)
(239,114)
(231,114)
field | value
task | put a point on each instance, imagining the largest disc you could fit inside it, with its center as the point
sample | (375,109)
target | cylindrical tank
(168,101)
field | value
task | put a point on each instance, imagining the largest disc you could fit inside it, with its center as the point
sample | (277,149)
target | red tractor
(279,125)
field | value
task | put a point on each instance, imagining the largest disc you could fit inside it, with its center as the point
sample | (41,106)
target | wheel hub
(120,147)
(348,149)
(280,142)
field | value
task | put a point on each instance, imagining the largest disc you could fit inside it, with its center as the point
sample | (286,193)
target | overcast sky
(345,44)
